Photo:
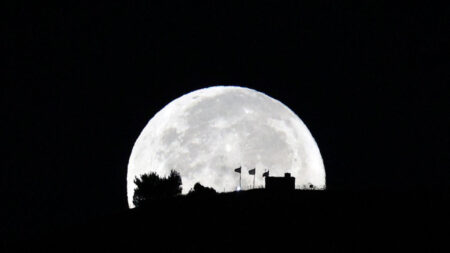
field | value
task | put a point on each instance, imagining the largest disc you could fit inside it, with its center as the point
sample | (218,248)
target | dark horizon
(261,220)
(370,81)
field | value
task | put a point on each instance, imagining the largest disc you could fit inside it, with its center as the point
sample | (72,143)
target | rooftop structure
(286,183)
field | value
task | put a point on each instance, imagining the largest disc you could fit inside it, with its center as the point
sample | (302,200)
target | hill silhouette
(258,220)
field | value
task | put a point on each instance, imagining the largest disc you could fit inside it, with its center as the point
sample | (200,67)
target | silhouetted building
(286,183)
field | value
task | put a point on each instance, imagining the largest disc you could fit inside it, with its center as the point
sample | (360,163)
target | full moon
(207,133)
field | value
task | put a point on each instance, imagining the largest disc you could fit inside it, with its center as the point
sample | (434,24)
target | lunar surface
(206,134)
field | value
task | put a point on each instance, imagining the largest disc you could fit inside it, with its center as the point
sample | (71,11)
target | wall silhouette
(286,183)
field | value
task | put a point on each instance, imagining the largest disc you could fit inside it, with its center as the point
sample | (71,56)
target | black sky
(81,81)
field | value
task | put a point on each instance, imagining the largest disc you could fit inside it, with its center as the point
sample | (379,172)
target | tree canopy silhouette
(151,186)
(200,190)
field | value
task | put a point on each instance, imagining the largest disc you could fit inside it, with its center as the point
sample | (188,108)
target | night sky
(81,81)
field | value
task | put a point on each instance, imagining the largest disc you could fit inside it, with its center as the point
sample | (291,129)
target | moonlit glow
(207,133)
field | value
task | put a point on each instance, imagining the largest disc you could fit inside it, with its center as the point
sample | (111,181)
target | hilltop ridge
(258,220)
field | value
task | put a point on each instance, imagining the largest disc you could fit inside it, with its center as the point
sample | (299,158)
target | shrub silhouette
(200,190)
(151,186)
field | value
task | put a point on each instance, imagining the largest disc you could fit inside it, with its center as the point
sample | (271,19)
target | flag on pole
(266,174)
(252,172)
(238,170)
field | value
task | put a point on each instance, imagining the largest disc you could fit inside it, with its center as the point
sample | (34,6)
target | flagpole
(254,175)
(240,184)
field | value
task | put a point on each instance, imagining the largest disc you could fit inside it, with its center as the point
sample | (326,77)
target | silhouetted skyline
(81,81)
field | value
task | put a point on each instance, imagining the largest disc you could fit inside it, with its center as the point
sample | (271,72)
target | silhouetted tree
(151,186)
(200,190)
(173,183)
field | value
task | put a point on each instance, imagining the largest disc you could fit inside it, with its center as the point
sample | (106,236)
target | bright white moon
(206,134)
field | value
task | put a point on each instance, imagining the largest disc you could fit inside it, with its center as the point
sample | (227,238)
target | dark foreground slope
(253,221)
